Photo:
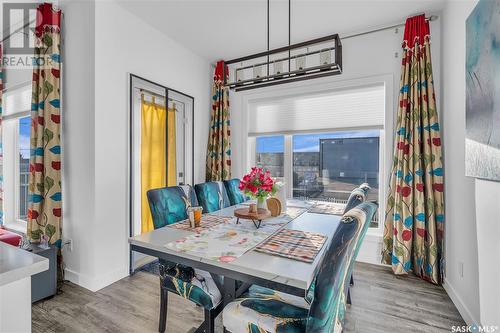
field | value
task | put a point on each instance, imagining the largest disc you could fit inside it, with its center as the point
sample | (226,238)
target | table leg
(229,290)
(237,220)
(257,225)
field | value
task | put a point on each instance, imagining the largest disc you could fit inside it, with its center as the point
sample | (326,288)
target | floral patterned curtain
(44,213)
(219,141)
(413,235)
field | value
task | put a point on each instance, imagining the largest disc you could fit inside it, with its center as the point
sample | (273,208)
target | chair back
(212,196)
(233,191)
(360,236)
(169,204)
(190,194)
(357,196)
(326,313)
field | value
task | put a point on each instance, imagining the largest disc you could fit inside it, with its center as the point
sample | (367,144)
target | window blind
(16,101)
(342,109)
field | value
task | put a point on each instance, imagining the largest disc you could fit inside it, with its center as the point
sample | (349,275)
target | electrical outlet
(461,269)
(69,244)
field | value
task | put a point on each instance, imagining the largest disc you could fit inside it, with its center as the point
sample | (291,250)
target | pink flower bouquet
(258,184)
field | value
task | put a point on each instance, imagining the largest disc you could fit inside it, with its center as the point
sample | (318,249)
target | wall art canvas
(482,142)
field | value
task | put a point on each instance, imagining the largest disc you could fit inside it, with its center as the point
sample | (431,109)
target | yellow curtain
(153,159)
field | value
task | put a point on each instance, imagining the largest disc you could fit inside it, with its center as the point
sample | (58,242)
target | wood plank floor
(381,301)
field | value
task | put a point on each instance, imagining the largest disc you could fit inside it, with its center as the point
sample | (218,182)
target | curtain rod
(160,96)
(429,19)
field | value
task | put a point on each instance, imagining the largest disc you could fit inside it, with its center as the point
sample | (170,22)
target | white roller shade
(343,109)
(16,101)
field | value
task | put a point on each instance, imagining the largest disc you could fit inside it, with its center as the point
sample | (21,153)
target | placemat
(223,243)
(293,244)
(207,221)
(327,208)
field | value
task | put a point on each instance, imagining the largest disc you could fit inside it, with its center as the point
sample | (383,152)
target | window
(327,167)
(23,146)
(16,125)
(322,145)
(270,154)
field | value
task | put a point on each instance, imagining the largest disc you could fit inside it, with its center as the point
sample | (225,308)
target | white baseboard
(461,307)
(95,283)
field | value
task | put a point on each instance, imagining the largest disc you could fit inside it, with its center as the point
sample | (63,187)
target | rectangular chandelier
(312,59)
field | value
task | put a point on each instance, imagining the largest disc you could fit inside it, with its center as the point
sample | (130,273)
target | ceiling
(229,29)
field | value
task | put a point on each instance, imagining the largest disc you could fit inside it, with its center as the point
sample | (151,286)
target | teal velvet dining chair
(212,196)
(357,196)
(265,310)
(169,205)
(233,191)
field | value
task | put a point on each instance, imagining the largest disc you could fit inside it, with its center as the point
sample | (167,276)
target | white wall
(364,57)
(488,230)
(97,216)
(78,137)
(465,196)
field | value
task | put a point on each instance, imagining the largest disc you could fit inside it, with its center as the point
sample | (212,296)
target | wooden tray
(256,218)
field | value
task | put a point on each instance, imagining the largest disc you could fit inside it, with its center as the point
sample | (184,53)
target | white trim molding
(95,283)
(460,304)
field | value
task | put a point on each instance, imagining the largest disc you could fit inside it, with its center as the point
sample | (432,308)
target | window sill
(18,226)
(374,235)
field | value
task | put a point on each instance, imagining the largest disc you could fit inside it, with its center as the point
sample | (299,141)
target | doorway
(161,149)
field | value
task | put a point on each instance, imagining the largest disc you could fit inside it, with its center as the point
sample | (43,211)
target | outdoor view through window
(326,166)
(24,163)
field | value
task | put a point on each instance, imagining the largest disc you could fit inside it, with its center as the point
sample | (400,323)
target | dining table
(253,266)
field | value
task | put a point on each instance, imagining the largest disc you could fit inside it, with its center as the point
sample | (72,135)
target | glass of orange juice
(197,215)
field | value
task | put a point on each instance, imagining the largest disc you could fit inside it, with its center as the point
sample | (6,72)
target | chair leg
(352,279)
(163,309)
(209,321)
(349,296)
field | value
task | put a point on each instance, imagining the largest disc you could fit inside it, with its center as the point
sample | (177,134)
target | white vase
(281,196)
(261,203)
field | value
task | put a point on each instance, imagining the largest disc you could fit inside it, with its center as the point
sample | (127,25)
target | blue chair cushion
(212,196)
(201,289)
(265,310)
(169,204)
(233,191)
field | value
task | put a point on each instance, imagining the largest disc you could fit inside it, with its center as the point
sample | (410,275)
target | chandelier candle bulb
(300,63)
(325,57)
(239,74)
(278,67)
(257,71)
